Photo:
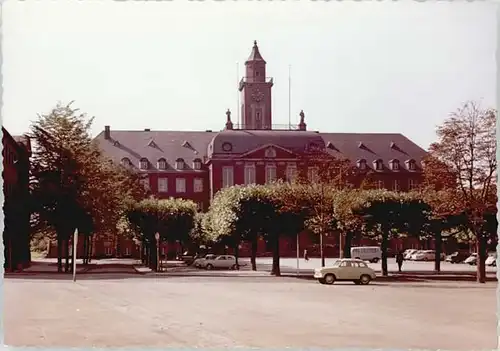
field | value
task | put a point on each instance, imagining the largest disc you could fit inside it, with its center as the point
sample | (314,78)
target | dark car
(456,257)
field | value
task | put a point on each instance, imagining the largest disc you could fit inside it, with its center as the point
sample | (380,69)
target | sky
(355,66)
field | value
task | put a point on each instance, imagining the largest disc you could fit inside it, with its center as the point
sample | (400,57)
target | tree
(72,184)
(172,219)
(466,149)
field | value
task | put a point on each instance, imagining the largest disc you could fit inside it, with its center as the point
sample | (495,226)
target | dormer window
(144,163)
(394,165)
(179,164)
(162,163)
(378,165)
(126,162)
(197,164)
(361,164)
(411,164)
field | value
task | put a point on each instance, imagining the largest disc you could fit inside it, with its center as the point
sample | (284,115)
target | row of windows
(290,174)
(10,157)
(394,165)
(180,185)
(144,163)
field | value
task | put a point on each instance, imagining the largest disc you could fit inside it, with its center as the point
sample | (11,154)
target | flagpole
(238,108)
(75,245)
(289,96)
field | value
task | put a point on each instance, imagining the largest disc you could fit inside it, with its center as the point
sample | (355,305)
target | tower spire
(229,124)
(255,54)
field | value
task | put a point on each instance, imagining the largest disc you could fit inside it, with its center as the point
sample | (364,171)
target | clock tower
(255,91)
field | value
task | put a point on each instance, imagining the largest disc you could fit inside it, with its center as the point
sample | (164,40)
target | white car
(367,253)
(424,255)
(346,269)
(408,253)
(219,262)
(472,259)
(199,262)
(491,260)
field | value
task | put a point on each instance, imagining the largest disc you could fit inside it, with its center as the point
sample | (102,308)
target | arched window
(144,163)
(361,164)
(179,163)
(162,163)
(378,165)
(394,165)
(197,164)
(126,162)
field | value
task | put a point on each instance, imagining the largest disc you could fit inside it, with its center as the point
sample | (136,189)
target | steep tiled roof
(373,146)
(191,145)
(154,145)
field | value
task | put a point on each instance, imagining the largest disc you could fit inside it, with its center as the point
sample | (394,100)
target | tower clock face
(257,95)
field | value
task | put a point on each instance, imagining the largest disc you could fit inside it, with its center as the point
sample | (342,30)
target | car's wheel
(234,267)
(321,280)
(365,279)
(209,266)
(357,282)
(357,258)
(494,264)
(375,260)
(329,279)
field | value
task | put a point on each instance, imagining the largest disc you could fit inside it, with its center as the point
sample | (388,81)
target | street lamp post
(157,237)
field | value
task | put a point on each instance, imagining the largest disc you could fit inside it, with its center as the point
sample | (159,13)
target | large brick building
(196,164)
(16,153)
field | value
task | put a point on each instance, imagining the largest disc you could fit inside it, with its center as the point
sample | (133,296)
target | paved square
(248,312)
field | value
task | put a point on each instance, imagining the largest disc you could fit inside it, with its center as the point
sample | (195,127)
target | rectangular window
(162,185)
(127,251)
(108,251)
(227,176)
(396,185)
(180,185)
(312,174)
(198,185)
(291,172)
(412,184)
(270,173)
(250,174)
(380,184)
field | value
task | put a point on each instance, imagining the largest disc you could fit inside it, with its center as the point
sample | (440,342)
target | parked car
(346,269)
(408,253)
(219,262)
(367,253)
(424,255)
(472,259)
(492,259)
(456,257)
(199,262)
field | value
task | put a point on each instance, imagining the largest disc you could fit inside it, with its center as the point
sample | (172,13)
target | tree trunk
(66,255)
(91,248)
(237,254)
(438,243)
(383,248)
(347,244)
(85,249)
(322,249)
(255,241)
(481,258)
(59,253)
(154,256)
(276,256)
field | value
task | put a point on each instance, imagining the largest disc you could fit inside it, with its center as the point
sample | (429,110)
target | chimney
(107,133)
(302,124)
(147,129)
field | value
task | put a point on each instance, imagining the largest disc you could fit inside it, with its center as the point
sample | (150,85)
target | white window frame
(125,162)
(227,176)
(108,251)
(197,165)
(380,184)
(198,185)
(143,163)
(395,165)
(162,185)
(179,164)
(395,185)
(250,175)
(412,165)
(312,174)
(412,184)
(162,164)
(291,172)
(379,165)
(271,172)
(180,185)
